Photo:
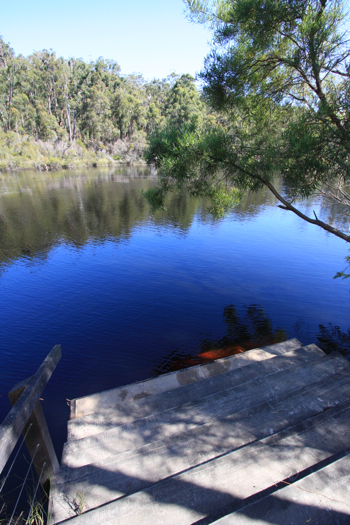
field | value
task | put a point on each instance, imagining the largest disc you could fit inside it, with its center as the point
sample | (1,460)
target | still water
(130,294)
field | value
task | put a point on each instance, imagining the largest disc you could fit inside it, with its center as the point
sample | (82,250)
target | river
(130,294)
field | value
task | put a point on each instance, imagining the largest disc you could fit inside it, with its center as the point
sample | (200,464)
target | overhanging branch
(289,207)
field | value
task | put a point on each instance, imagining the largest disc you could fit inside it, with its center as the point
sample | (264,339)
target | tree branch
(289,207)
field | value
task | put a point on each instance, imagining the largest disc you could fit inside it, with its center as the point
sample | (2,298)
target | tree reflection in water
(332,339)
(245,331)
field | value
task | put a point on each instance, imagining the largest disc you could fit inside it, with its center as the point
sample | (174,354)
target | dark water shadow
(244,331)
(332,339)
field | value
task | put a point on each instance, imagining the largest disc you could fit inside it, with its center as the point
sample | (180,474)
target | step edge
(269,349)
(318,356)
(285,485)
(343,380)
(309,425)
(84,441)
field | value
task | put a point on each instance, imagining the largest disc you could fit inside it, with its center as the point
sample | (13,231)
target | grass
(38,515)
(37,508)
(80,503)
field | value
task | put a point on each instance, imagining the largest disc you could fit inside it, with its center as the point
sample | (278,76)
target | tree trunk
(69,124)
(74,124)
(10,104)
(54,93)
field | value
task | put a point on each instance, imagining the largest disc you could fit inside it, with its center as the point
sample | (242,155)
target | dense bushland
(61,113)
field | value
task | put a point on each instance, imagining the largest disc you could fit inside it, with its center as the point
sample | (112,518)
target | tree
(128,106)
(10,71)
(61,101)
(183,103)
(279,70)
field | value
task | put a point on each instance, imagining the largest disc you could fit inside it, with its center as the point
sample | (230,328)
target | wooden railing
(27,417)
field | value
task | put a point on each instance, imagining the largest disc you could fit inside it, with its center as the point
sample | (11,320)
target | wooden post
(27,394)
(38,434)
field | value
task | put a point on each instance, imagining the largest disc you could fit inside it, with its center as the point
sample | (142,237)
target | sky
(150,37)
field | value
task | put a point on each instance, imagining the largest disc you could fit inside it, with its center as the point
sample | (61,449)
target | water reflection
(39,211)
(244,331)
(129,294)
(332,339)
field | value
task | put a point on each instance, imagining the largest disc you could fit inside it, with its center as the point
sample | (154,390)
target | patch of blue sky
(153,38)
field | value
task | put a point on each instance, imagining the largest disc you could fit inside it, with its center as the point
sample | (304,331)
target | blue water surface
(124,290)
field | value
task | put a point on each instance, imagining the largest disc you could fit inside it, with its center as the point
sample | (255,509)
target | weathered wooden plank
(322,498)
(45,455)
(225,482)
(132,410)
(210,408)
(282,347)
(102,481)
(226,431)
(14,423)
(96,402)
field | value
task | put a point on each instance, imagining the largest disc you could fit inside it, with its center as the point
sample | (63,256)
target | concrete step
(84,406)
(130,411)
(120,474)
(208,408)
(224,482)
(322,498)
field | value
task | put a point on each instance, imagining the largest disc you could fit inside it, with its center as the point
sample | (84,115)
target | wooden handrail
(26,398)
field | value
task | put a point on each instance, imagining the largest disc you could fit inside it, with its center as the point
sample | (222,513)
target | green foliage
(89,104)
(342,274)
(279,71)
(293,55)
(183,104)
(18,152)
(188,159)
(223,199)
(155,198)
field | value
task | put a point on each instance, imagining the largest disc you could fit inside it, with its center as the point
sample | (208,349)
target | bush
(20,152)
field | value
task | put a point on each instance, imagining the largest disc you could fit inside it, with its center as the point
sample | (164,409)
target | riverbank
(23,152)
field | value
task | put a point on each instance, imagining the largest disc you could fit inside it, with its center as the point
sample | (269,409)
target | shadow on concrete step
(223,485)
(269,505)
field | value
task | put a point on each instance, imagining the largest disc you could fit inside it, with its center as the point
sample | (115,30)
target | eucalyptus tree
(79,73)
(183,103)
(279,70)
(11,68)
(95,122)
(57,100)
(129,105)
